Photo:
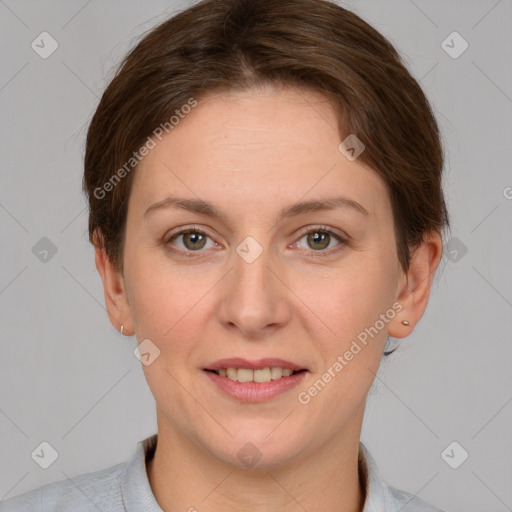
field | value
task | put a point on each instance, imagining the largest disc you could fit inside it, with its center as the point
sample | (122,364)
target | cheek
(167,301)
(348,301)
(352,349)
(352,309)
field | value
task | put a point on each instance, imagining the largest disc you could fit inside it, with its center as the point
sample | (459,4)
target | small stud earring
(405,322)
(122,328)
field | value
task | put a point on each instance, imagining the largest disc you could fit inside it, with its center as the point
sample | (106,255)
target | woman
(264,185)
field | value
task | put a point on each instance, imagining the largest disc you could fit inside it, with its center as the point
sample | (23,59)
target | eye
(193,240)
(320,238)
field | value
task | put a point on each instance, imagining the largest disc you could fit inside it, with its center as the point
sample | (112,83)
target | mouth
(255,382)
(262,370)
(261,375)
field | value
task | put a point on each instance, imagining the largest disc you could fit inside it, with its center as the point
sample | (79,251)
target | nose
(254,297)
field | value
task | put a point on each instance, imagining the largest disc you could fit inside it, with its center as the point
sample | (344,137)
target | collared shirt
(125,488)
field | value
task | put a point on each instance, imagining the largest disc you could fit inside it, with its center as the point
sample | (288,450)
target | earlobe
(114,291)
(414,294)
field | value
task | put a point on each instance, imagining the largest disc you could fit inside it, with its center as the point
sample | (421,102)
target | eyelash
(316,229)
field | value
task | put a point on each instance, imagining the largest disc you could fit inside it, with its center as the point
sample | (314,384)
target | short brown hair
(238,44)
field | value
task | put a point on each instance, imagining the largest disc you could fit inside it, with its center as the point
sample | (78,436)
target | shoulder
(409,503)
(98,490)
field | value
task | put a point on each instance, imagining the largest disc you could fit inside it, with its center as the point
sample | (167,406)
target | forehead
(262,145)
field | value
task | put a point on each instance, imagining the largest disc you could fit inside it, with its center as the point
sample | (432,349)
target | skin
(253,153)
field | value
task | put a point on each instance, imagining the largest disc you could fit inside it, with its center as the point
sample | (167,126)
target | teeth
(244,375)
(260,375)
(232,373)
(276,373)
(263,375)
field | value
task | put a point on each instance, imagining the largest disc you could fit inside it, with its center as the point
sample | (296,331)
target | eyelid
(185,229)
(321,227)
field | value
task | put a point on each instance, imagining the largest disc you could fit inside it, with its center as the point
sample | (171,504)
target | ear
(414,290)
(115,292)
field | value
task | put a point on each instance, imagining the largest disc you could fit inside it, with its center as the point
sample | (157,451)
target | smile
(243,384)
(260,375)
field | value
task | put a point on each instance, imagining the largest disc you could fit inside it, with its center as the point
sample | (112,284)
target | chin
(257,450)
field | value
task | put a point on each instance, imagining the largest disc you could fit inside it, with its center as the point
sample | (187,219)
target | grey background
(68,378)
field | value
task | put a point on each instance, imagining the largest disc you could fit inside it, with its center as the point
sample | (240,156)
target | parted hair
(217,45)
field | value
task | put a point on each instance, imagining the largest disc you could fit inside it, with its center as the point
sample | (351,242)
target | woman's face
(256,285)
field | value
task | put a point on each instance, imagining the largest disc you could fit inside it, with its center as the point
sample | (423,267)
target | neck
(185,476)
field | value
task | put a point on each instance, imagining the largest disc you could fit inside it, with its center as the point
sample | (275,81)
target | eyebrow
(300,208)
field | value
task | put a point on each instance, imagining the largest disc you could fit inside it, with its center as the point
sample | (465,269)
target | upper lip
(239,362)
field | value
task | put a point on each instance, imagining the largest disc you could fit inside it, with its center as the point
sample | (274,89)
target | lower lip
(256,391)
